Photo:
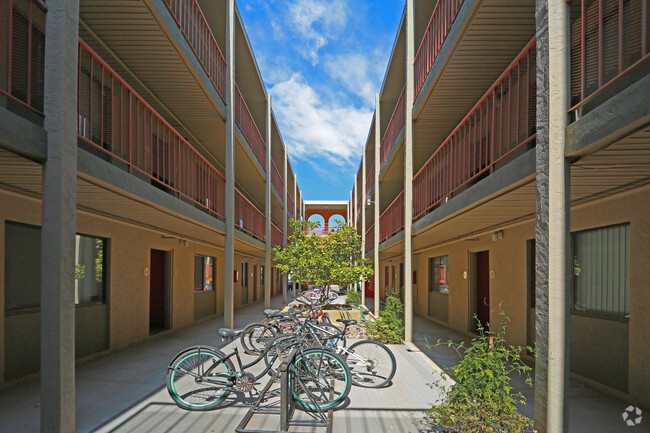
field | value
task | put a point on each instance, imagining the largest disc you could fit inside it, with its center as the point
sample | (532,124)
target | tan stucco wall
(508,260)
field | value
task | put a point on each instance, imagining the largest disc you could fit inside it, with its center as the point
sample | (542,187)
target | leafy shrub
(389,327)
(481,399)
(353,297)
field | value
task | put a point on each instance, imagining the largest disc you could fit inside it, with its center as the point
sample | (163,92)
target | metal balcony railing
(195,29)
(276,235)
(290,205)
(609,39)
(370,238)
(443,17)
(501,122)
(391,220)
(370,179)
(395,125)
(119,123)
(276,179)
(248,218)
(248,128)
(22,53)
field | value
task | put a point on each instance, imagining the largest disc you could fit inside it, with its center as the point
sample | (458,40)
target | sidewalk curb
(413,348)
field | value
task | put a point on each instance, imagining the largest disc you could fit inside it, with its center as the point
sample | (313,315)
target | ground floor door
(159,305)
(482,270)
(255,283)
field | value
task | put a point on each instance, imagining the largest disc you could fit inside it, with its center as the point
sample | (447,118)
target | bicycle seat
(347,322)
(230,333)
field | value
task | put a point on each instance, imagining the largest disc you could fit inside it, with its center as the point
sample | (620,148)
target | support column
(552,230)
(284,224)
(408,175)
(229,251)
(269,234)
(295,216)
(59,218)
(363,220)
(377,170)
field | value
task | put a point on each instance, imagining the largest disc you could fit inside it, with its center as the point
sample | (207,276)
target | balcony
(195,29)
(22,49)
(276,179)
(276,236)
(370,179)
(290,207)
(248,128)
(116,123)
(248,218)
(370,238)
(609,40)
(391,220)
(443,17)
(395,125)
(502,122)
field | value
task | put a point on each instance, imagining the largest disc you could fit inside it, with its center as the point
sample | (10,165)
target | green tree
(334,258)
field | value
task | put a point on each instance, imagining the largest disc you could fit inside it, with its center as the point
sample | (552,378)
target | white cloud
(360,73)
(317,21)
(316,128)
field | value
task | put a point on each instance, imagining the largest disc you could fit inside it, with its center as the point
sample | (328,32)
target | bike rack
(285,407)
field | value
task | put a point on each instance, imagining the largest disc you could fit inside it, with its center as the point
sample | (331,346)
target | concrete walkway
(125,392)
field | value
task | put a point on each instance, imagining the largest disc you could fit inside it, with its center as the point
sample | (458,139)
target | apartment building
(140,163)
(507,166)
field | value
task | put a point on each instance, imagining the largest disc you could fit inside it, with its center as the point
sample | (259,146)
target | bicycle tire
(186,384)
(379,366)
(334,336)
(319,380)
(253,339)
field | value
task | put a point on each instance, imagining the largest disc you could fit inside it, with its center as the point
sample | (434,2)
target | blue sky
(323,61)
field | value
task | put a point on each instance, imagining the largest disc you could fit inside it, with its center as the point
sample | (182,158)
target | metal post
(269,212)
(363,220)
(408,175)
(377,203)
(284,223)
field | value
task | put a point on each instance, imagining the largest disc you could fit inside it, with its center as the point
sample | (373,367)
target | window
(90,270)
(601,271)
(244,274)
(23,268)
(203,273)
(261,275)
(438,274)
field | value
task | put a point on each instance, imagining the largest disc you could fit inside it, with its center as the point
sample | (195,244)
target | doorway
(254,283)
(159,296)
(481,287)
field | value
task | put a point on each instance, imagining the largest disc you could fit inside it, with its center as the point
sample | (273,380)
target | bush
(353,298)
(389,327)
(481,399)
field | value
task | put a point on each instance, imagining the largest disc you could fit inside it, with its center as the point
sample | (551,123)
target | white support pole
(377,170)
(408,175)
(269,212)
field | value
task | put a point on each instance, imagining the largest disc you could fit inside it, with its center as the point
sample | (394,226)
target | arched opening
(332,222)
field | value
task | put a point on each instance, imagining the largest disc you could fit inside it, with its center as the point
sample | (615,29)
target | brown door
(483,287)
(157,291)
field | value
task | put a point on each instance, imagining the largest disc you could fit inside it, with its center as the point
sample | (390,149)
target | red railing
(395,125)
(248,128)
(22,53)
(115,120)
(370,238)
(370,179)
(276,179)
(290,205)
(443,17)
(195,29)
(276,235)
(609,39)
(500,123)
(248,218)
(391,220)
(360,201)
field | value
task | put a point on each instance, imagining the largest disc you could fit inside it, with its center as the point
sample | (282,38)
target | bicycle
(200,378)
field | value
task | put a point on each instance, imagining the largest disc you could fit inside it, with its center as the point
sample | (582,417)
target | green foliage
(353,298)
(482,400)
(334,258)
(389,327)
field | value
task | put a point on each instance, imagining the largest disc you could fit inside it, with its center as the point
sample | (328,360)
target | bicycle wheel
(198,378)
(319,380)
(329,333)
(255,336)
(281,348)
(372,364)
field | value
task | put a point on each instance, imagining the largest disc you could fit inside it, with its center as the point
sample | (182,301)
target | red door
(157,291)
(483,287)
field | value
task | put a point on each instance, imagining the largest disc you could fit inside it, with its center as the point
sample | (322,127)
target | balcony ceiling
(489,39)
(23,176)
(136,33)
